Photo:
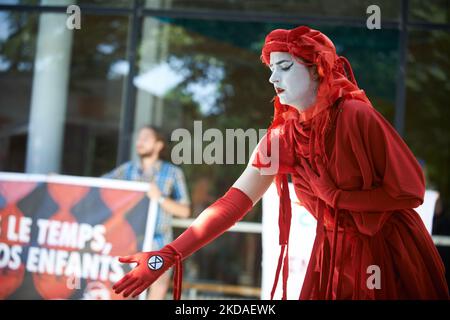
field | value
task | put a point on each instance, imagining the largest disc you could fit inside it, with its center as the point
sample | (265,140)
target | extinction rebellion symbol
(155,262)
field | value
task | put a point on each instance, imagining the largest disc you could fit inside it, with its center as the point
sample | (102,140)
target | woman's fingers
(121,281)
(305,187)
(320,165)
(131,288)
(141,288)
(301,172)
(302,169)
(125,282)
(309,172)
(302,180)
(129,259)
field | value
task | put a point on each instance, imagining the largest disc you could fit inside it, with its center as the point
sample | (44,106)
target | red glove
(320,184)
(210,224)
(150,266)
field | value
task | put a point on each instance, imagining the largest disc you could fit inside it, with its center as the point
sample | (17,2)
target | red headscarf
(336,81)
(309,129)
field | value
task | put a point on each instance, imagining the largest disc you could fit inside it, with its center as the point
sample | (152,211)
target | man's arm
(178,203)
(117,173)
(175,208)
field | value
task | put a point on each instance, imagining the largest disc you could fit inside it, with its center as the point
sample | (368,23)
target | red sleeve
(275,153)
(373,200)
(393,179)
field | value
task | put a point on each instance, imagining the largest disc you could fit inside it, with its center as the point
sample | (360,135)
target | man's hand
(154,193)
(150,266)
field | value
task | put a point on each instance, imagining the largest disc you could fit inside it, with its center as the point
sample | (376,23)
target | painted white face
(292,81)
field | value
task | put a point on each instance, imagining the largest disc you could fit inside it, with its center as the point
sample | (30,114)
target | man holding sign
(167,187)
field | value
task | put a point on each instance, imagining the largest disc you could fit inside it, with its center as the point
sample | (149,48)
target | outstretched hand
(320,184)
(150,266)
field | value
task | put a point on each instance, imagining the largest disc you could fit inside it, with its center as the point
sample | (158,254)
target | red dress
(369,228)
(373,222)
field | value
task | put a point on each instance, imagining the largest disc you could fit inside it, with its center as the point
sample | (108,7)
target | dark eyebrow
(280,62)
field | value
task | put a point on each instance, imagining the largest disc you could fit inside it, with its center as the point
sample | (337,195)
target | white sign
(301,239)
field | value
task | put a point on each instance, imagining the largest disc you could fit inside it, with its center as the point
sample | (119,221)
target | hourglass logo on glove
(155,262)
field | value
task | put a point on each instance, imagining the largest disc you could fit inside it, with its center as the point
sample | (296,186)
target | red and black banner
(61,239)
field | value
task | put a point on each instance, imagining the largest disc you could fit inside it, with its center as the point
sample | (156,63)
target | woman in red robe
(350,169)
(358,178)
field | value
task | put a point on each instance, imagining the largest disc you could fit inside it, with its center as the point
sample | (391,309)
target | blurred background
(170,62)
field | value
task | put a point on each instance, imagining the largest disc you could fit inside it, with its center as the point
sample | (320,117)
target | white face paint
(292,81)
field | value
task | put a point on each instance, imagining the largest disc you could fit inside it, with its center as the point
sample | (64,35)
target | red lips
(279,90)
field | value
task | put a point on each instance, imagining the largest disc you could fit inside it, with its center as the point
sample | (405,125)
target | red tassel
(178,275)
(284,224)
(277,273)
(285,214)
(178,278)
(285,273)
(333,257)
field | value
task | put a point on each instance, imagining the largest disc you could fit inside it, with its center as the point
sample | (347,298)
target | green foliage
(427,116)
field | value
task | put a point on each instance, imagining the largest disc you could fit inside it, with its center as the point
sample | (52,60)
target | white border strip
(84,181)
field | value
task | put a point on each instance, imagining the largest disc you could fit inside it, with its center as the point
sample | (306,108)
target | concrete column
(49,92)
(153,50)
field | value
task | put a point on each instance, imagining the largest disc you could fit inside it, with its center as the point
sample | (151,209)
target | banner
(60,236)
